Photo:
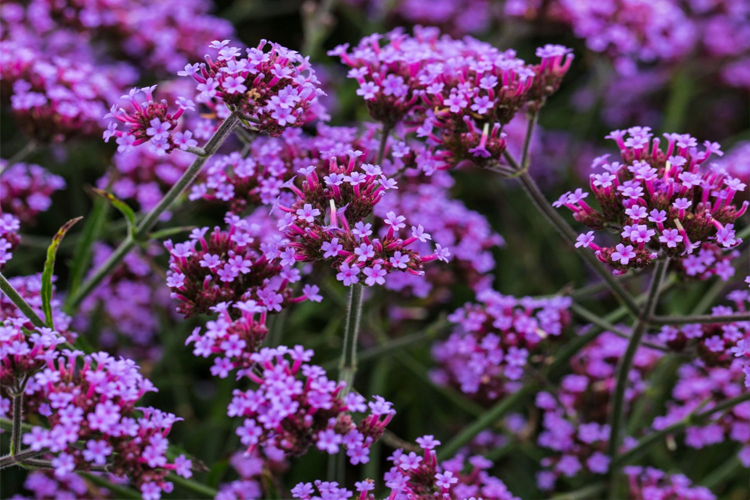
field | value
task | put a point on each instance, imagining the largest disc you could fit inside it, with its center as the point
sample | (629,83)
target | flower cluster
(487,353)
(468,234)
(700,387)
(150,122)
(657,200)
(21,355)
(328,221)
(233,265)
(25,190)
(55,99)
(126,304)
(95,404)
(295,405)
(420,476)
(711,260)
(653,483)
(457,93)
(272,89)
(574,424)
(9,237)
(45,485)
(239,183)
(716,344)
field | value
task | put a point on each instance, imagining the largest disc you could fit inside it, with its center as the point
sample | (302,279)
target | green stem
(20,303)
(317,24)
(540,202)
(348,364)
(150,220)
(193,486)
(700,318)
(626,363)
(120,491)
(17,432)
(602,323)
(20,457)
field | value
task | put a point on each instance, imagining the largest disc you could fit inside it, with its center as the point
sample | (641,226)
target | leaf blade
(49,271)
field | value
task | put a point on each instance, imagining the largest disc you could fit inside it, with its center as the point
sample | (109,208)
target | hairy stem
(17,432)
(348,365)
(19,457)
(540,202)
(626,363)
(150,220)
(701,318)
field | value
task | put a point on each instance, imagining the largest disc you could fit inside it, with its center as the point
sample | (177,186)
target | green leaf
(49,271)
(120,205)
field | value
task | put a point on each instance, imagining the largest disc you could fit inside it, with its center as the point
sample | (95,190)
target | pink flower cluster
(467,233)
(233,265)
(149,122)
(488,351)
(420,476)
(716,344)
(26,190)
(457,94)
(296,405)
(659,200)
(29,288)
(328,222)
(574,424)
(45,485)
(698,384)
(251,469)
(653,483)
(272,89)
(9,237)
(21,354)
(55,99)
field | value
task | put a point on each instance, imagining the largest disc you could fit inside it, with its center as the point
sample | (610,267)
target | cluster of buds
(150,122)
(55,99)
(93,404)
(26,190)
(233,265)
(657,200)
(494,340)
(654,483)
(272,90)
(697,384)
(458,94)
(9,237)
(420,476)
(296,405)
(143,175)
(467,233)
(574,424)
(30,288)
(716,344)
(328,222)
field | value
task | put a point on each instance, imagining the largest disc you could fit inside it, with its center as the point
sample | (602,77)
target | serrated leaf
(121,206)
(49,271)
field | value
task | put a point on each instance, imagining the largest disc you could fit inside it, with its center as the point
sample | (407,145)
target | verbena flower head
(25,190)
(450,223)
(45,485)
(9,237)
(493,341)
(232,265)
(716,344)
(457,94)
(658,200)
(699,387)
(149,121)
(251,469)
(21,353)
(329,221)
(270,85)
(418,475)
(648,482)
(55,99)
(295,405)
(711,260)
(96,405)
(574,424)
